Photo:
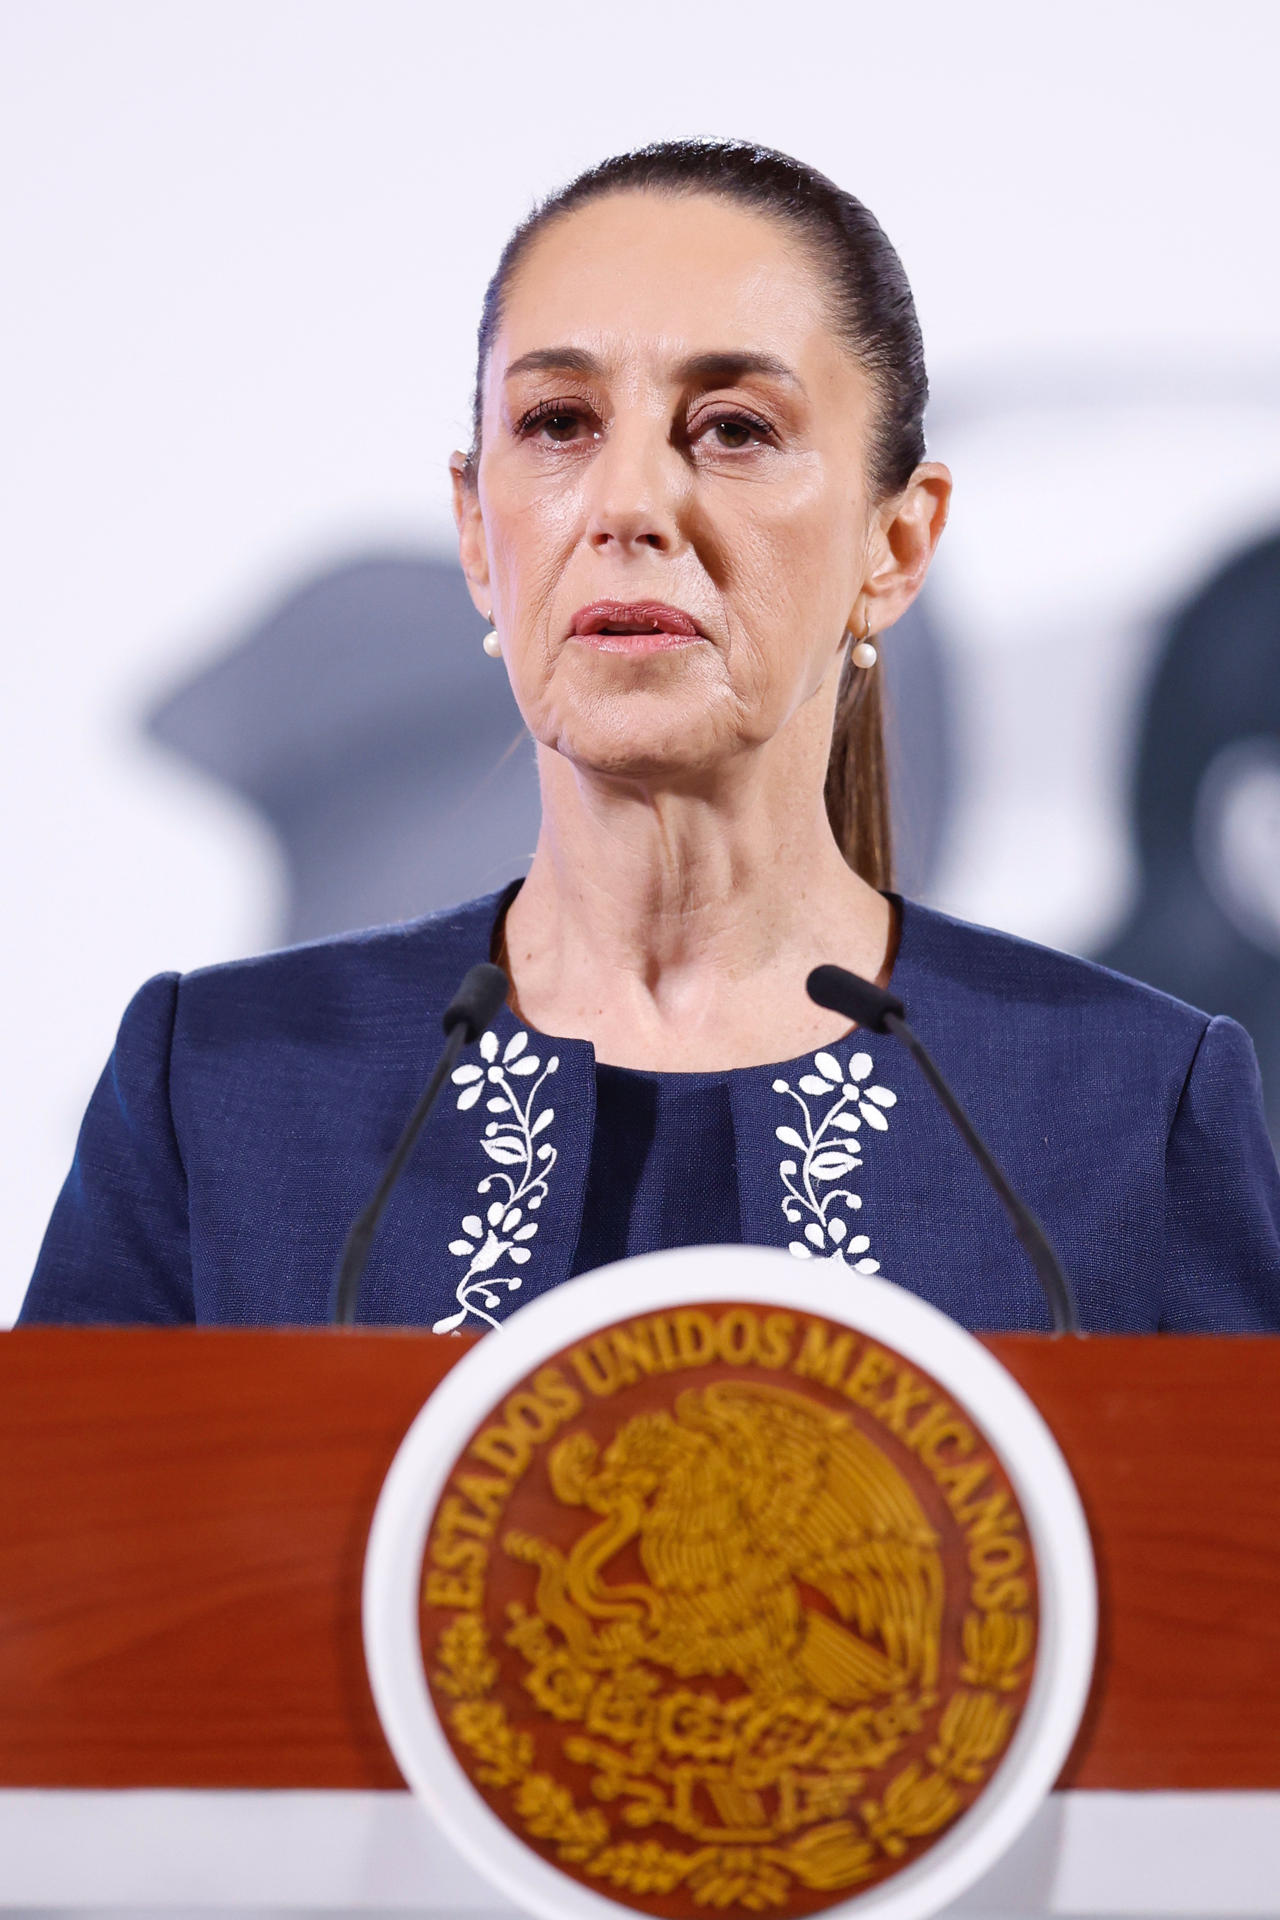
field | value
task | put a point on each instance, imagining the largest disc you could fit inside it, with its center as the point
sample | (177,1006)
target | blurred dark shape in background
(1206,800)
(363,720)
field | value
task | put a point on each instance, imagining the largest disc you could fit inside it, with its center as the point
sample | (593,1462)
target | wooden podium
(183,1518)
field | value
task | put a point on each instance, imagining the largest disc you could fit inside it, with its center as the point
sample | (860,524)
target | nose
(637,484)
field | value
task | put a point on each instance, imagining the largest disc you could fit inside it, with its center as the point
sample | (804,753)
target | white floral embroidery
(526,1159)
(830,1149)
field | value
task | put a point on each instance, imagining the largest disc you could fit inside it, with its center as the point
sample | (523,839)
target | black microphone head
(477,1000)
(857,999)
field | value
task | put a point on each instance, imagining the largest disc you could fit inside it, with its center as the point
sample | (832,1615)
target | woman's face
(671,520)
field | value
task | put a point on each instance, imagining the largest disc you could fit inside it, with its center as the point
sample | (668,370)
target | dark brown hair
(875,316)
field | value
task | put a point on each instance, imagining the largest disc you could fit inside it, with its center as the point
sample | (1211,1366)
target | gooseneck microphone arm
(468,1014)
(880,1012)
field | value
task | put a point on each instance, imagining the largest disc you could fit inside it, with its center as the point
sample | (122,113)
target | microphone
(465,1018)
(882,1012)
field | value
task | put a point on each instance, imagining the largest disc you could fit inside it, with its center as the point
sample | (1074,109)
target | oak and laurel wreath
(972,1730)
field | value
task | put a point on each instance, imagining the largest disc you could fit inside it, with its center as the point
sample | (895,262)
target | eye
(554,420)
(559,426)
(736,432)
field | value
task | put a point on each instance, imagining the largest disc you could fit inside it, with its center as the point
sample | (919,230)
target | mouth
(634,626)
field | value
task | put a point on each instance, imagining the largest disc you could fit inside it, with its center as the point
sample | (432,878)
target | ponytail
(857,786)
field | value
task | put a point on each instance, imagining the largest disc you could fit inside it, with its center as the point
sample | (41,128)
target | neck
(675,929)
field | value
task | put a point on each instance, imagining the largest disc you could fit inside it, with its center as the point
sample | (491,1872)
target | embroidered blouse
(247,1111)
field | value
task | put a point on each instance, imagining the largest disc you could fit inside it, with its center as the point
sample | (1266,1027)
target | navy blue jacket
(248,1109)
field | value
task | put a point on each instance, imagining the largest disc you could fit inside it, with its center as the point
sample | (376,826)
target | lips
(634,619)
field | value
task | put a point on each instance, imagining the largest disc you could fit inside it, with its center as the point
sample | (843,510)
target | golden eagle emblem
(726,1642)
(737,1499)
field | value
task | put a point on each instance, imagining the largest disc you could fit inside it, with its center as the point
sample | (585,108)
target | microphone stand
(469,1012)
(880,1012)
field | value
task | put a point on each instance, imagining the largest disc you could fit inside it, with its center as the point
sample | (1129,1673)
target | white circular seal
(704,1278)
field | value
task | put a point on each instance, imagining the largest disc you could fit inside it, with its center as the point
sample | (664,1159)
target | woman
(697,499)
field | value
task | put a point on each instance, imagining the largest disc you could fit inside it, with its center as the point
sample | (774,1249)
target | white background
(244,244)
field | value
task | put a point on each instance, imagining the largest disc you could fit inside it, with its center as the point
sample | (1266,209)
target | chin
(637,743)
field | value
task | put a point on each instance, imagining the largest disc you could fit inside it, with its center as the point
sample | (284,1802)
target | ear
(902,544)
(473,549)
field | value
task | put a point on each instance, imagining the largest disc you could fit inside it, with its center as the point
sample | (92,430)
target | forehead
(658,276)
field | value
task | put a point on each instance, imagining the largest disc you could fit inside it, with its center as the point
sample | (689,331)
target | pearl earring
(492,645)
(864,654)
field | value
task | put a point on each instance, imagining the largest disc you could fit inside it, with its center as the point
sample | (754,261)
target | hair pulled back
(872,311)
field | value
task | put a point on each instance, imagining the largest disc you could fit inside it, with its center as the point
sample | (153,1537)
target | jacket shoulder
(323,986)
(1023,979)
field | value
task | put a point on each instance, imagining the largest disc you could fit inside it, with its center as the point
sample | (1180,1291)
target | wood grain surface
(183,1518)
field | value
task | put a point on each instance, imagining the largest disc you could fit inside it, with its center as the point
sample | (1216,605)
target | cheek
(530,532)
(810,536)
(791,578)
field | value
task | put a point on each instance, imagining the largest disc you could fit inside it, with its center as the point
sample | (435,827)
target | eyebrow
(722,369)
(554,360)
(707,369)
